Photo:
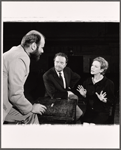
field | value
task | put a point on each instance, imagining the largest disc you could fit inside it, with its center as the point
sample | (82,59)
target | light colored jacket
(16,64)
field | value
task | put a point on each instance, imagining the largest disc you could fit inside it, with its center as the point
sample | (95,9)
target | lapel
(57,78)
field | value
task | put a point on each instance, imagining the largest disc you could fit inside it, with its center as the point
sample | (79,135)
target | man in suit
(16,62)
(60,80)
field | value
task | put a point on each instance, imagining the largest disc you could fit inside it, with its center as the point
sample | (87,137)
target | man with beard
(61,86)
(16,108)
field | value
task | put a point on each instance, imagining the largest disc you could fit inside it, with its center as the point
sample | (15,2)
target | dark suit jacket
(54,87)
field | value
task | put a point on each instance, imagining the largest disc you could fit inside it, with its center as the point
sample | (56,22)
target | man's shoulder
(49,72)
(67,69)
(16,53)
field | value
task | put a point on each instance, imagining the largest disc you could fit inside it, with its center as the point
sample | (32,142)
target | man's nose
(59,64)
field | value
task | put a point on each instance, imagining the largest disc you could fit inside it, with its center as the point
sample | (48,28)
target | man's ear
(34,46)
(65,64)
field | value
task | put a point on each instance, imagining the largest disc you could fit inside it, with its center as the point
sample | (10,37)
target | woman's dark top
(93,102)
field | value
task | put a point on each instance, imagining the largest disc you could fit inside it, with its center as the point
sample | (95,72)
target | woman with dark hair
(98,92)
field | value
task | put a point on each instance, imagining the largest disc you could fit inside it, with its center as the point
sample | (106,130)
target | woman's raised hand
(102,96)
(81,90)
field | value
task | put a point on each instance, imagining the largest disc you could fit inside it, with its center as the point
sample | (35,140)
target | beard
(35,55)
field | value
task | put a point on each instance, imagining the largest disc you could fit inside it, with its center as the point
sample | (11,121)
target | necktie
(61,79)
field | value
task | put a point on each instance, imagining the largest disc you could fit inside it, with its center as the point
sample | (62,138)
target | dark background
(81,41)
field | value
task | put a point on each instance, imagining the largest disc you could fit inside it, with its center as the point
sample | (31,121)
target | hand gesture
(81,90)
(101,96)
(38,109)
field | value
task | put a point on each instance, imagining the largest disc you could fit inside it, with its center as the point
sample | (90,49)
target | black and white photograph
(60,84)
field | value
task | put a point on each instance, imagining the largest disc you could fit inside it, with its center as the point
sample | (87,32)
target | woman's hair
(62,55)
(32,36)
(103,62)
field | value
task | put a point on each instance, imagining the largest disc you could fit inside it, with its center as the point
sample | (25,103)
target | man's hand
(38,109)
(70,93)
(81,90)
(101,96)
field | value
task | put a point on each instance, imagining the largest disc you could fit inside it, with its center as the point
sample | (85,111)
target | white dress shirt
(62,74)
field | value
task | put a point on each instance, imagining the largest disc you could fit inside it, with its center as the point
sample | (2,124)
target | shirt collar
(59,72)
